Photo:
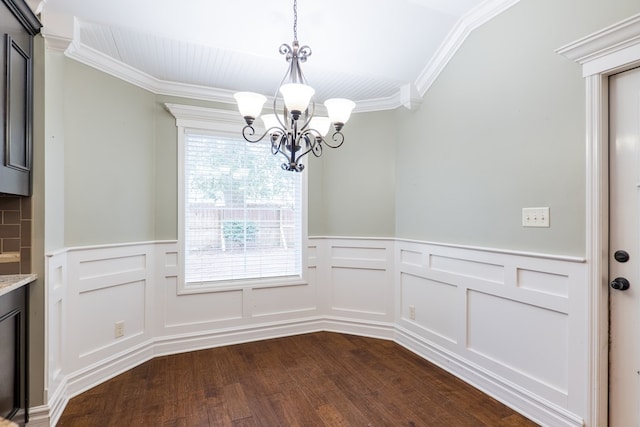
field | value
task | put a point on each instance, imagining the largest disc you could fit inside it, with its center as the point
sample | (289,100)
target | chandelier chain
(295,20)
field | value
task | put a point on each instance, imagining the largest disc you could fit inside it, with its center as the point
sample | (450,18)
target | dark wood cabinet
(13,349)
(18,26)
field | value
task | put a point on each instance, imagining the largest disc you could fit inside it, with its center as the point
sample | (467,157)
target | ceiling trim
(409,95)
(98,60)
(109,65)
(93,58)
(456,37)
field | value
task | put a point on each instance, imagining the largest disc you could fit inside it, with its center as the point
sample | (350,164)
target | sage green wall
(345,185)
(53,154)
(109,159)
(166,163)
(166,174)
(351,188)
(503,128)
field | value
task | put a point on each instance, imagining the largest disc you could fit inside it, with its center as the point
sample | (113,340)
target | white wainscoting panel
(525,338)
(357,278)
(359,290)
(107,285)
(468,268)
(283,301)
(432,303)
(90,289)
(194,309)
(55,335)
(212,313)
(511,324)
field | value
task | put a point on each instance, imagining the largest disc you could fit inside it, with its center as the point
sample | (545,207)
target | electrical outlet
(412,312)
(119,330)
(535,217)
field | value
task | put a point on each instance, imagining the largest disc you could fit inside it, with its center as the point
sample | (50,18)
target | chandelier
(295,130)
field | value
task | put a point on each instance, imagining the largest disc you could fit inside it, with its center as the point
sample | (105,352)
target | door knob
(620,284)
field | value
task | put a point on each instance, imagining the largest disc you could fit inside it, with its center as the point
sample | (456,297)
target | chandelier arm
(337,137)
(316,147)
(277,142)
(314,141)
(248,131)
(311,143)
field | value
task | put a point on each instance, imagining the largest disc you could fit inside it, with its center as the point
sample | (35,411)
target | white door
(624,232)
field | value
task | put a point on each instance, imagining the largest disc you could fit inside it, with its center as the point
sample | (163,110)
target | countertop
(11,282)
(7,423)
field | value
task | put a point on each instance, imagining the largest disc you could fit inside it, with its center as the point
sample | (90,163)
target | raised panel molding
(510,323)
(479,313)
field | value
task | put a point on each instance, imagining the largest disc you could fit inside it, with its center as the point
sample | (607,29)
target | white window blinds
(242,214)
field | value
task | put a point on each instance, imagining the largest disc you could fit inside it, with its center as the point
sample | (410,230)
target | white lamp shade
(339,109)
(249,103)
(321,124)
(296,96)
(271,121)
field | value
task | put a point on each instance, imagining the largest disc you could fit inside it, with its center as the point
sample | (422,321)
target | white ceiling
(382,53)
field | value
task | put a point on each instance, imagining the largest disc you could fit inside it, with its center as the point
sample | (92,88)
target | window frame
(225,123)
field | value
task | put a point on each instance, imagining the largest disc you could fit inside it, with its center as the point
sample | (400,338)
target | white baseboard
(85,379)
(543,412)
(198,341)
(343,325)
(39,416)
(510,394)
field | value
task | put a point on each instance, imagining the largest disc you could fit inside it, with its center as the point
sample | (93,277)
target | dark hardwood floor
(319,379)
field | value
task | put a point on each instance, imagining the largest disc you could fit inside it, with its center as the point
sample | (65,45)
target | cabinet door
(12,356)
(18,25)
(15,175)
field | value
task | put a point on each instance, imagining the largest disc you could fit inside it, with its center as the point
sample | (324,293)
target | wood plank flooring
(319,379)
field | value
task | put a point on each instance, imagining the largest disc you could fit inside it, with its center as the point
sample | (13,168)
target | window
(242,211)
(241,216)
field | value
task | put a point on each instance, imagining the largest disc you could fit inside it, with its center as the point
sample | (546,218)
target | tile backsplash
(15,234)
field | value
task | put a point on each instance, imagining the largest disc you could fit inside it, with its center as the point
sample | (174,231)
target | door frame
(606,52)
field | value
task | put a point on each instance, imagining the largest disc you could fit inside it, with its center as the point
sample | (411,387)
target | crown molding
(98,60)
(456,37)
(408,95)
(378,104)
(55,42)
(604,50)
(109,65)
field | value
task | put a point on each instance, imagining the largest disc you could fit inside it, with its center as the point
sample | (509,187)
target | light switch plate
(535,217)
